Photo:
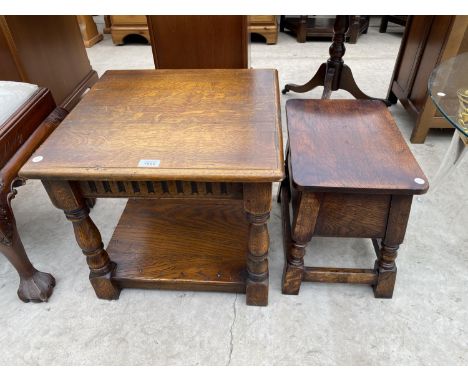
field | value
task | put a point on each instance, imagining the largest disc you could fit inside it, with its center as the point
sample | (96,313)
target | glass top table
(448,88)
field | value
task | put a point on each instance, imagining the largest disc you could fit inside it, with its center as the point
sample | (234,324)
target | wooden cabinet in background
(47,51)
(89,31)
(199,42)
(267,26)
(322,27)
(123,26)
(395,19)
(428,40)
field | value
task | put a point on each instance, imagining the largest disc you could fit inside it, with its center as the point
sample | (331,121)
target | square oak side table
(196,152)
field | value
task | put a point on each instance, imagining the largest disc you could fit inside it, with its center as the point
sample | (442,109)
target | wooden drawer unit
(128,20)
(123,26)
(267,26)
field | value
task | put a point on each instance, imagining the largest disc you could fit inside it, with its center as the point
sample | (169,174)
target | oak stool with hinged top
(350,173)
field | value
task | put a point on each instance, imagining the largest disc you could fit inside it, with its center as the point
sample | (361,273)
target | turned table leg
(305,217)
(66,196)
(34,285)
(257,205)
(396,228)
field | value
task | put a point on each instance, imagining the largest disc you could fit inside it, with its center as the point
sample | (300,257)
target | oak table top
(207,125)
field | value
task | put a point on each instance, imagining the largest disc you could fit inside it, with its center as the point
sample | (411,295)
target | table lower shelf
(181,244)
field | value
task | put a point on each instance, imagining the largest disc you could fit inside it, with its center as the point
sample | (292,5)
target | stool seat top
(349,146)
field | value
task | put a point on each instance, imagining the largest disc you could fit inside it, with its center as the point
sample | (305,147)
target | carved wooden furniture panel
(47,51)
(322,27)
(349,174)
(267,26)
(123,26)
(162,189)
(428,40)
(206,143)
(199,42)
(20,135)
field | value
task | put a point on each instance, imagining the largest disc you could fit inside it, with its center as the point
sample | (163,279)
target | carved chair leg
(305,217)
(66,196)
(257,205)
(34,285)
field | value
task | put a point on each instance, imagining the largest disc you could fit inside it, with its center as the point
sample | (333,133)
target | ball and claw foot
(37,288)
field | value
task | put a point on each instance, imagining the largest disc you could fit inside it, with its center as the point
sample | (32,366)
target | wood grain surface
(206,125)
(199,42)
(352,215)
(196,245)
(349,146)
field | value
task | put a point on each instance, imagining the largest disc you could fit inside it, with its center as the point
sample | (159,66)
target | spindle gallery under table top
(205,143)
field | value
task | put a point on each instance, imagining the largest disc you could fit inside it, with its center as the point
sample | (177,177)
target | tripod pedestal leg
(334,74)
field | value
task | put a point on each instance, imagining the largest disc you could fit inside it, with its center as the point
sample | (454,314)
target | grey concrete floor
(327,324)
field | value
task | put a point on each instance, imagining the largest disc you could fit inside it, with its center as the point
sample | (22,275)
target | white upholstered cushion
(12,96)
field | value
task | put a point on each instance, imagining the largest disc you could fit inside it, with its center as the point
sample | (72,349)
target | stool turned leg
(385,266)
(34,285)
(66,196)
(387,270)
(257,205)
(305,217)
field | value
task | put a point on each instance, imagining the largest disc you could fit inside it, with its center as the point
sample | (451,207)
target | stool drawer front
(352,215)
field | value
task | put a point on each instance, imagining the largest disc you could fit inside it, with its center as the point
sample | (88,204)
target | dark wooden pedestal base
(322,27)
(182,245)
(334,74)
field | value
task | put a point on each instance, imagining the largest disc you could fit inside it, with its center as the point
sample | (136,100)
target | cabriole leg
(34,285)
